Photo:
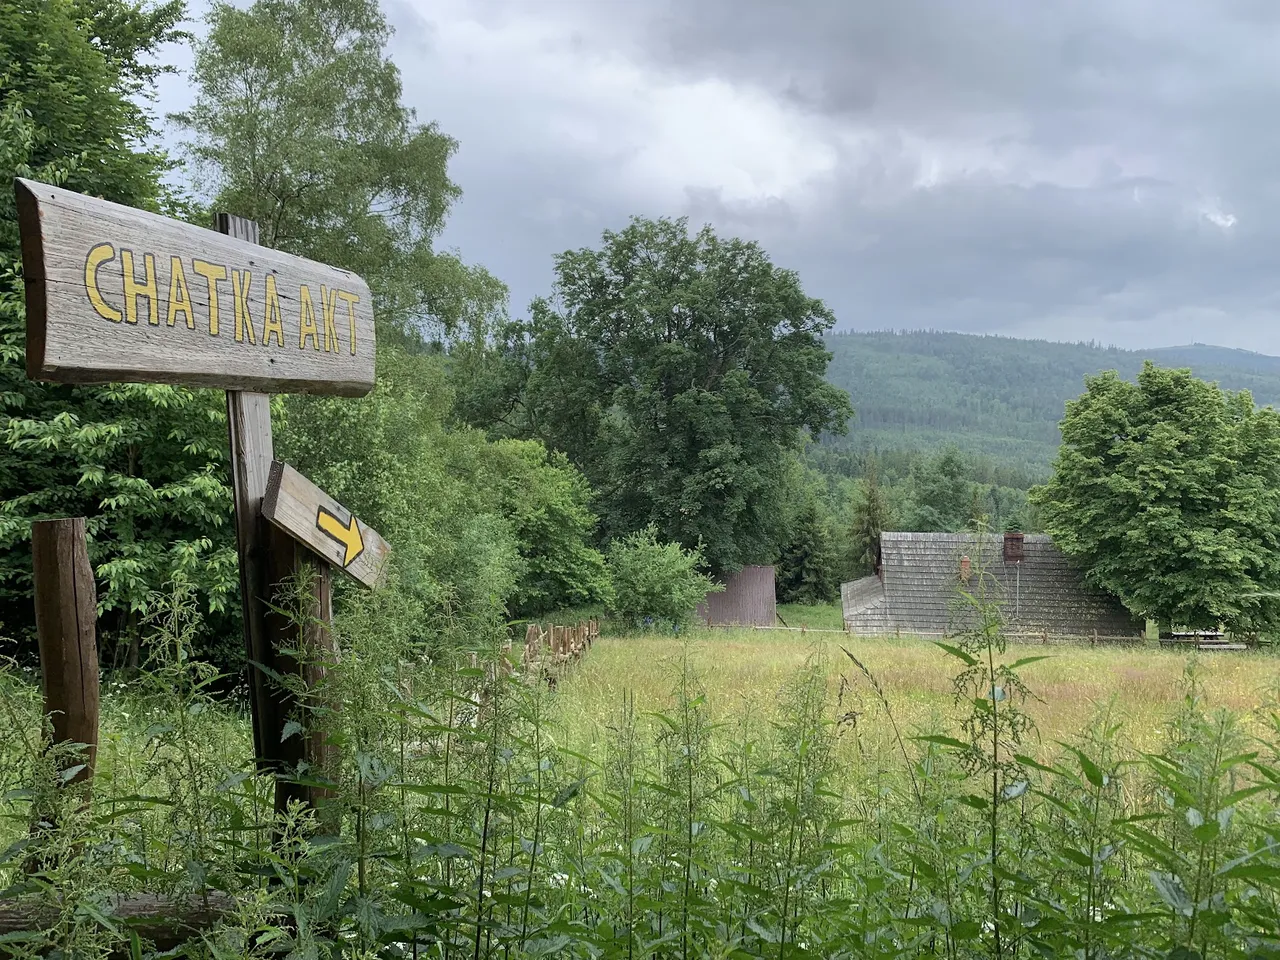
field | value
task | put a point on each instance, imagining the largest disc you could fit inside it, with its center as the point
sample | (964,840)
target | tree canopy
(1168,491)
(870,519)
(299,124)
(675,370)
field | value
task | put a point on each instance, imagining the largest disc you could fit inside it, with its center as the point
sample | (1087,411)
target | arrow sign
(347,534)
(312,517)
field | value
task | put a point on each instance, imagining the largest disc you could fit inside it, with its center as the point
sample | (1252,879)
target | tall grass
(479,814)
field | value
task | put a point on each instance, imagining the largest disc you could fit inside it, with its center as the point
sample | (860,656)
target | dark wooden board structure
(296,505)
(118,294)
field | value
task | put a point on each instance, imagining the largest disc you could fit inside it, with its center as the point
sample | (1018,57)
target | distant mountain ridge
(1231,358)
(999,396)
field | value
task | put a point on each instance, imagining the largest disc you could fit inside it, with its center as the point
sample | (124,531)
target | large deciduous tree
(1168,491)
(298,123)
(676,371)
(146,464)
(943,495)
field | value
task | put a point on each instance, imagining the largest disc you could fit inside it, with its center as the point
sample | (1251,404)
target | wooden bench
(1202,640)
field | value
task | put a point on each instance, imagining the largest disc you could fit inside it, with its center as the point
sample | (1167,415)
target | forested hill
(996,395)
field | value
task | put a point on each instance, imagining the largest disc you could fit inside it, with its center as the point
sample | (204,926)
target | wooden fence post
(66,600)
(249,427)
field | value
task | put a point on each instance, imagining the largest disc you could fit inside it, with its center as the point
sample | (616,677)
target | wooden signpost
(117,294)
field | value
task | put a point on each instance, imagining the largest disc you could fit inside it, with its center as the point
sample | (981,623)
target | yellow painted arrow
(347,534)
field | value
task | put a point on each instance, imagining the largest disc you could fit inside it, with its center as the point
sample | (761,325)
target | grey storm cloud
(1088,169)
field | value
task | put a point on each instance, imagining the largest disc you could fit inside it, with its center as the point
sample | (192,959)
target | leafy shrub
(546,502)
(656,581)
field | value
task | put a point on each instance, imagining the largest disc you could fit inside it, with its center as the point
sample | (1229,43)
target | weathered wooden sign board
(117,294)
(308,514)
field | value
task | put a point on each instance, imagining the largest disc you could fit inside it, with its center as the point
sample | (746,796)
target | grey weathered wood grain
(314,749)
(143,334)
(297,506)
(265,558)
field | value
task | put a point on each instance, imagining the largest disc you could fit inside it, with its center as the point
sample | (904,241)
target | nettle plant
(994,727)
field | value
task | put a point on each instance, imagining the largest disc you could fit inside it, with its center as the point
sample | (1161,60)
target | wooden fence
(550,651)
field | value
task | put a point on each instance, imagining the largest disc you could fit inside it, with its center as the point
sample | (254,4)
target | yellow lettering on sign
(307,319)
(329,306)
(212,273)
(179,295)
(100,254)
(271,325)
(133,289)
(240,293)
(350,299)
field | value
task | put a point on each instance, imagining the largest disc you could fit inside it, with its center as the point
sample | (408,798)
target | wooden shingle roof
(1044,592)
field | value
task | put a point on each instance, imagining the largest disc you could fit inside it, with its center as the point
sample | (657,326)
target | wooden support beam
(268,558)
(252,450)
(66,600)
(249,425)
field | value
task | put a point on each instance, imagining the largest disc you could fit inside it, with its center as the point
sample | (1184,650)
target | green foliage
(654,581)
(146,465)
(807,567)
(946,478)
(994,727)
(476,525)
(298,124)
(699,827)
(546,501)
(995,398)
(1168,491)
(74,82)
(676,371)
(870,519)
(388,457)
(943,497)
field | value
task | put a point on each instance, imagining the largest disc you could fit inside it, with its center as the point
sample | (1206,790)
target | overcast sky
(1070,169)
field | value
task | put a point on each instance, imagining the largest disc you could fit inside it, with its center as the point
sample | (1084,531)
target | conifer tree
(871,516)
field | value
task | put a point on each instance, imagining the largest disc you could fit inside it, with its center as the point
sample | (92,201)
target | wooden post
(249,426)
(168,922)
(66,600)
(313,746)
(268,557)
